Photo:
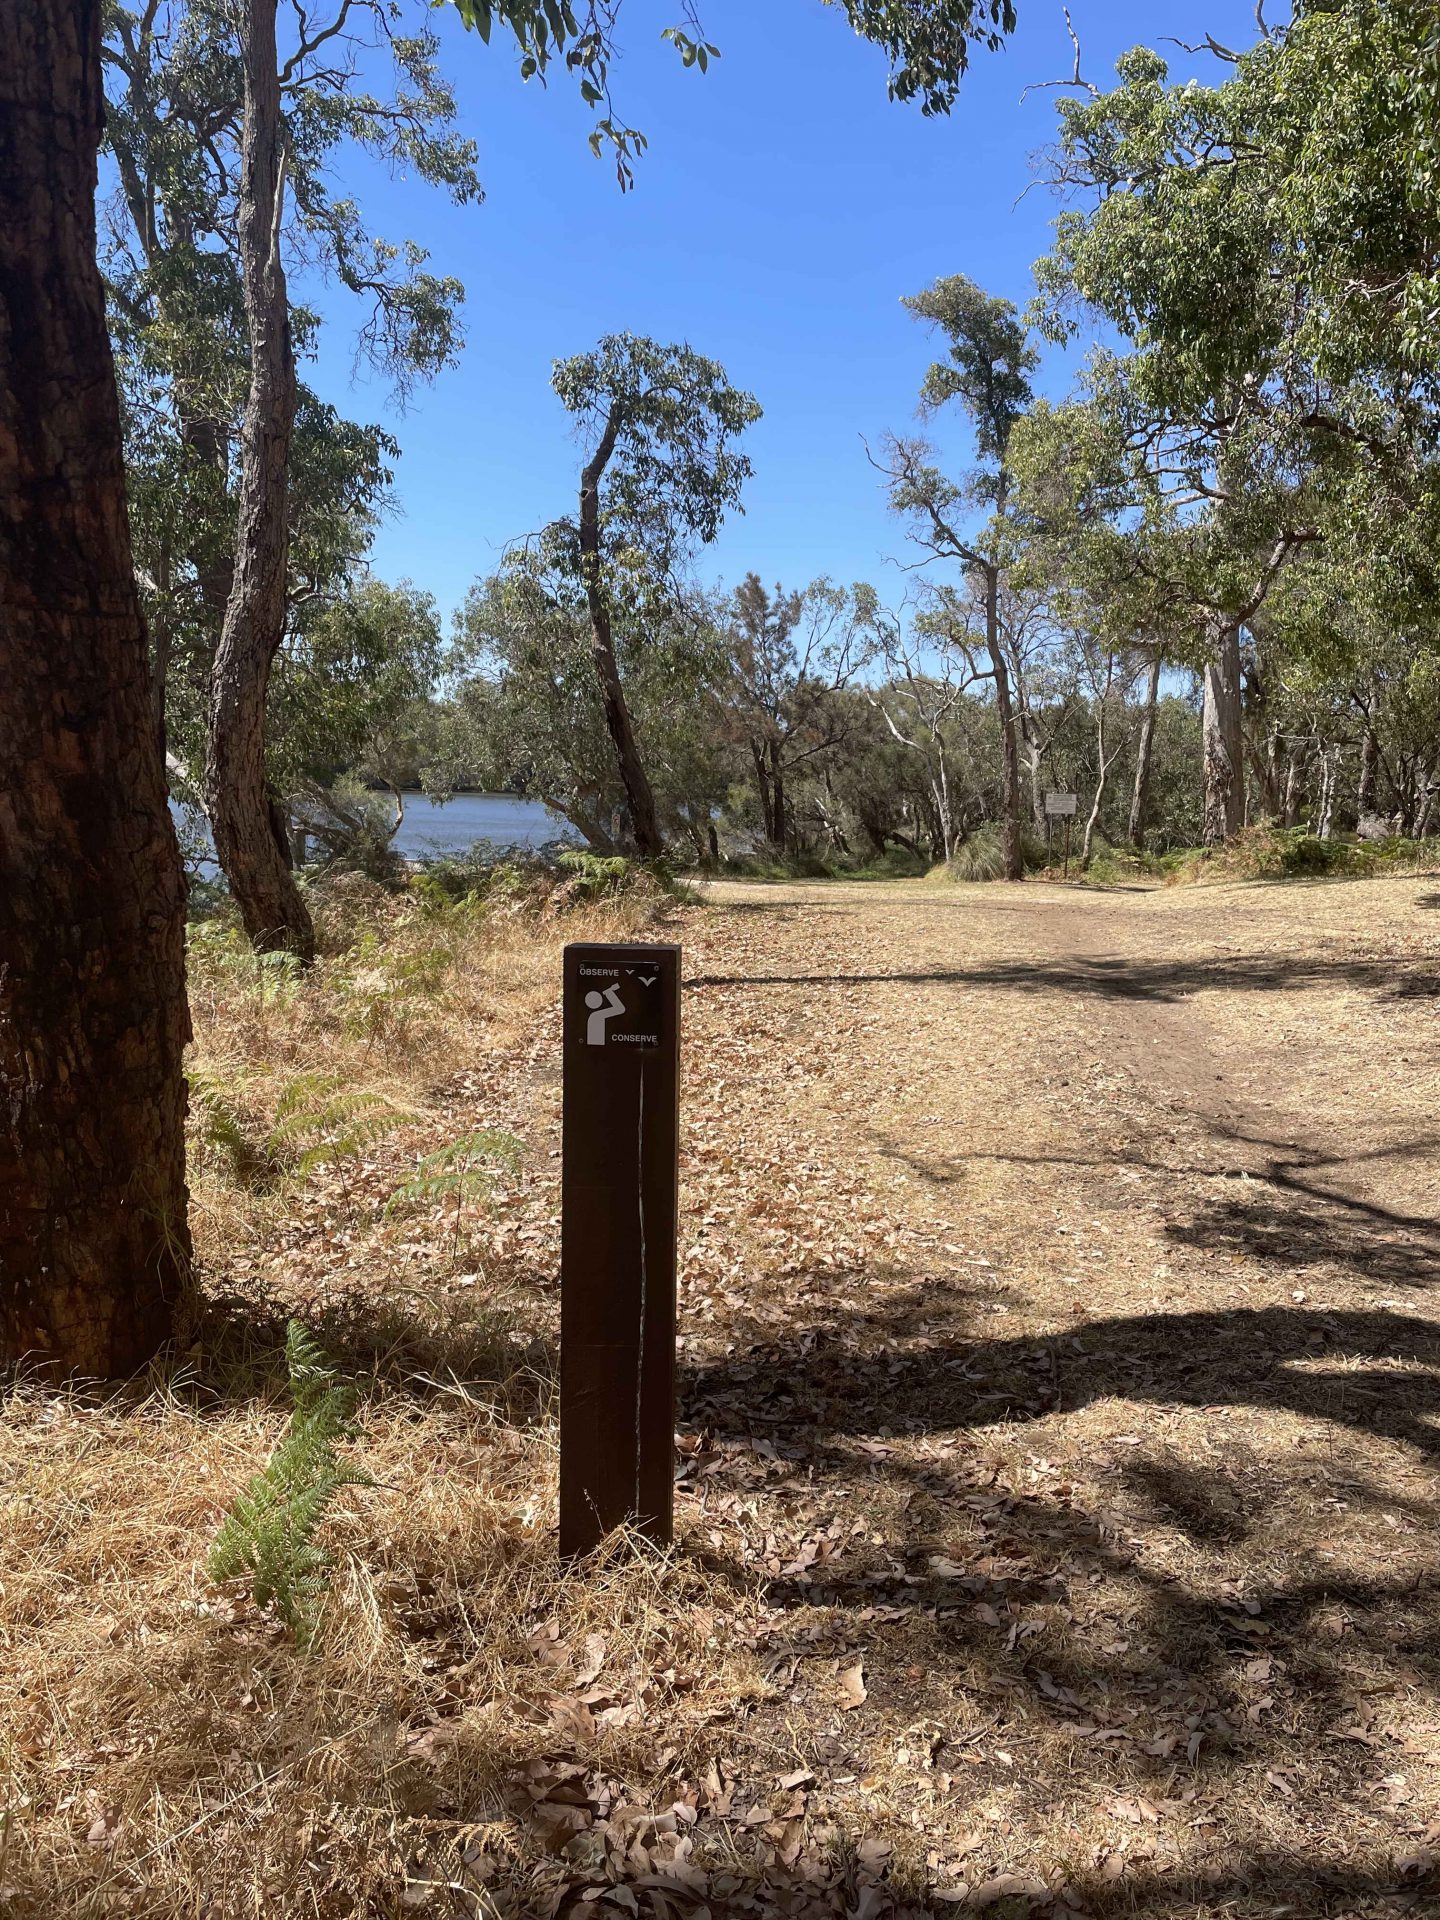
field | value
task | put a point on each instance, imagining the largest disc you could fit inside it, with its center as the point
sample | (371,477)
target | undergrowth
(1267,852)
(269,1536)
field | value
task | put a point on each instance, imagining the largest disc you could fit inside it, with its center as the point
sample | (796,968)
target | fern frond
(320,1119)
(463,1168)
(220,1128)
(269,1534)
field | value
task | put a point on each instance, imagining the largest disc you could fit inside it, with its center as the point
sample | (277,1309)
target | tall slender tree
(93,1020)
(987,370)
(662,470)
(250,837)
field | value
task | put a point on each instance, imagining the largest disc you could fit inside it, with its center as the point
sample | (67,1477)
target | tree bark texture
(93,1023)
(1145,754)
(1222,739)
(252,853)
(1369,769)
(644,821)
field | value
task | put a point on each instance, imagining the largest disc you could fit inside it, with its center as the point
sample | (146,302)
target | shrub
(1268,852)
(981,856)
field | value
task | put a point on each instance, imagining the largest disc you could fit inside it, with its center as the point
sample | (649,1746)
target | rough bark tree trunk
(94,1242)
(1145,753)
(1369,769)
(1294,788)
(781,833)
(1010,837)
(253,854)
(644,821)
(1222,738)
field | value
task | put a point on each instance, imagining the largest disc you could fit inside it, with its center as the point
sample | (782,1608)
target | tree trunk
(1140,797)
(1011,843)
(781,834)
(1222,740)
(1100,786)
(1329,774)
(94,1242)
(253,854)
(1426,818)
(1294,789)
(644,821)
(762,787)
(1369,770)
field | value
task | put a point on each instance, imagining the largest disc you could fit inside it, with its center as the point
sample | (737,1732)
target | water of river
(431,830)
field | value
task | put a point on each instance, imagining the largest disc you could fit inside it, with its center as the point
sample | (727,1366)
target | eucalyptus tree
(987,370)
(225,129)
(93,1023)
(659,425)
(1252,416)
(789,655)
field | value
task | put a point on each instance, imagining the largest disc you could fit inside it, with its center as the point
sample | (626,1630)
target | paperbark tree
(250,836)
(93,1020)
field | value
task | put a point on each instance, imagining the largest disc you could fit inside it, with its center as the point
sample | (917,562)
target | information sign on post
(619,1190)
(1063,805)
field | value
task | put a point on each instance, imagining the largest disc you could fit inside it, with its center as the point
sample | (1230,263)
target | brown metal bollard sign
(619,1188)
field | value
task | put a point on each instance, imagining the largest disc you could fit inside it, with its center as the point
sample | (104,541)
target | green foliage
(221,1130)
(667,419)
(217,947)
(320,1120)
(350,829)
(981,856)
(351,687)
(169,254)
(526,712)
(459,1175)
(1267,852)
(927,42)
(269,1537)
(594,876)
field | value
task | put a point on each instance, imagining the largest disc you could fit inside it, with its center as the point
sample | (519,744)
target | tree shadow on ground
(1287,1208)
(891,1368)
(1142,1637)
(1117,979)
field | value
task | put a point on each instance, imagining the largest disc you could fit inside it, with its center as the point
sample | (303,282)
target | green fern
(462,1172)
(269,1535)
(220,1129)
(320,1120)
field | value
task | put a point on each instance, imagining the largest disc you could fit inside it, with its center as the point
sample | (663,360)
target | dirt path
(1061,1348)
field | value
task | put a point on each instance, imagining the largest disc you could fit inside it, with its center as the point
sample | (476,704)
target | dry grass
(1058,1485)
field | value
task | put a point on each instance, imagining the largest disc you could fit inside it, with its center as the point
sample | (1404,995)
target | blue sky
(783,209)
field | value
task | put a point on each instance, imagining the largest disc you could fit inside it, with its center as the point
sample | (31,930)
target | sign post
(1064,805)
(619,1191)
